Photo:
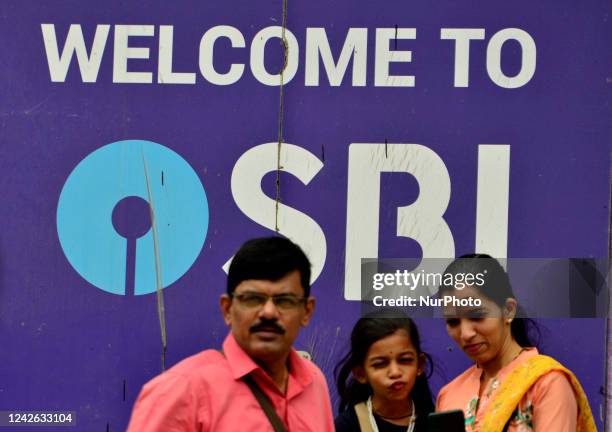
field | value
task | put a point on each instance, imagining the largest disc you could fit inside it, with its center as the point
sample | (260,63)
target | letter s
(248,171)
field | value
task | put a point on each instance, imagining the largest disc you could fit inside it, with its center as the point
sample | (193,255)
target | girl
(381,381)
(510,387)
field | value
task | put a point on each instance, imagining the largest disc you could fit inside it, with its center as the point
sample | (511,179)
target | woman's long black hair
(369,329)
(496,287)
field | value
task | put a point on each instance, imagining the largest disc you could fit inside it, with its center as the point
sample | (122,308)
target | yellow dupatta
(519,381)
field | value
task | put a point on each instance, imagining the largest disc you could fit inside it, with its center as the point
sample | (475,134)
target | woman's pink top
(549,405)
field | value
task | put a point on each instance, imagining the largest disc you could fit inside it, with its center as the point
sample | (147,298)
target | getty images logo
(104,223)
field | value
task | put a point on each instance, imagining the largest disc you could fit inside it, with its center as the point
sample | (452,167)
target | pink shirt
(205,392)
(549,405)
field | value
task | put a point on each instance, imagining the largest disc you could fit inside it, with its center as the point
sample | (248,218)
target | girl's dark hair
(497,288)
(369,329)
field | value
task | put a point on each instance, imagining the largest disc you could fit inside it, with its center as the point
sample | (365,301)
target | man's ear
(359,374)
(225,302)
(309,306)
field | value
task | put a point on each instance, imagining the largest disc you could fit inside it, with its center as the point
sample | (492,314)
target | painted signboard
(358,129)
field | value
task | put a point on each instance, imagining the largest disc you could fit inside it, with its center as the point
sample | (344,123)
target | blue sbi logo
(105,214)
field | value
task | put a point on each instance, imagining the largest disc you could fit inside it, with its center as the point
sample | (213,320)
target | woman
(511,387)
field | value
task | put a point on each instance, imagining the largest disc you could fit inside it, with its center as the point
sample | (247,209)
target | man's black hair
(268,258)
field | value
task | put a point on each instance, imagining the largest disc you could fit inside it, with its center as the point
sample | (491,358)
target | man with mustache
(257,382)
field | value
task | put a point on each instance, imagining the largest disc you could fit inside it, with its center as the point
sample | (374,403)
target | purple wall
(68,345)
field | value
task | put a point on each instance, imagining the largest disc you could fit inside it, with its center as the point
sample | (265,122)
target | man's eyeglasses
(281,301)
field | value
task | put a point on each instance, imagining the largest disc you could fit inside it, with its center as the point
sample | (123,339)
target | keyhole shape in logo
(104,217)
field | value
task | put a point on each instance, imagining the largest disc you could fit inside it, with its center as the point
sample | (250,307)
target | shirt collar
(242,364)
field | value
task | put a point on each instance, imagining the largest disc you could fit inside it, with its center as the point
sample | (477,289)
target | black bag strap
(266,405)
(264,402)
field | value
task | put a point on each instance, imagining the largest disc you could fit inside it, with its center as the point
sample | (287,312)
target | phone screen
(446,421)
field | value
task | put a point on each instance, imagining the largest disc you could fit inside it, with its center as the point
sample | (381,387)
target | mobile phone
(446,421)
